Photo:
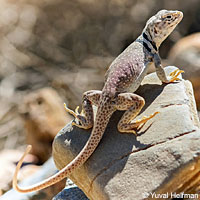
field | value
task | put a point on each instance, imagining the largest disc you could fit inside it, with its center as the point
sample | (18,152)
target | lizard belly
(138,81)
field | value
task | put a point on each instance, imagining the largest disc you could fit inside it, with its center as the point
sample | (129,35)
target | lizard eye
(169,17)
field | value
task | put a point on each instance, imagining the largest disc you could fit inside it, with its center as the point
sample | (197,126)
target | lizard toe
(174,75)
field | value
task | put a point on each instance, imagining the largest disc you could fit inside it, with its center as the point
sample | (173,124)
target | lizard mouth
(178,15)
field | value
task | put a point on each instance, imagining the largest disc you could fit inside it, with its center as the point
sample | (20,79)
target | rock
(186,55)
(48,169)
(127,167)
(44,115)
(71,192)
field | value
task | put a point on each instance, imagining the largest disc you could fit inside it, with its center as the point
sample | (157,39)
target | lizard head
(162,24)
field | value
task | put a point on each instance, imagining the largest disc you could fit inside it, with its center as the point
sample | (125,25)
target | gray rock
(128,167)
(71,192)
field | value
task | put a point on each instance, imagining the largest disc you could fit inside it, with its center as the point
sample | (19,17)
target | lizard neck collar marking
(149,40)
(145,44)
(147,47)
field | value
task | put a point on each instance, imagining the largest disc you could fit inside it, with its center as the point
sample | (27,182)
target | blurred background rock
(68,45)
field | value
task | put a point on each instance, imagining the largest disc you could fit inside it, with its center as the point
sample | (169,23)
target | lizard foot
(75,114)
(81,119)
(175,75)
(145,119)
(71,111)
(132,127)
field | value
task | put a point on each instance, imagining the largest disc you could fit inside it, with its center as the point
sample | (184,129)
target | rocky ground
(52,51)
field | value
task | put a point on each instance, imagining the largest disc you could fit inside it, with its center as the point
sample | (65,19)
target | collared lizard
(123,78)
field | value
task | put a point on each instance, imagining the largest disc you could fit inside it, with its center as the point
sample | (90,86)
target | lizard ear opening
(158,21)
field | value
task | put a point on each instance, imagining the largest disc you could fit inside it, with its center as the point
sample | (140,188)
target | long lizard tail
(102,118)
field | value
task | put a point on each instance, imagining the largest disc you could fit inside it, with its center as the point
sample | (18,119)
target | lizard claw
(175,75)
(71,111)
(77,122)
(145,118)
(76,110)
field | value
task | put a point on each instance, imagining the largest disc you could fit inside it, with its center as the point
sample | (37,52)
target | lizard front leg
(85,118)
(161,73)
(133,104)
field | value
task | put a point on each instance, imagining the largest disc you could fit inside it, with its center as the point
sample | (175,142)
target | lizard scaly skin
(123,78)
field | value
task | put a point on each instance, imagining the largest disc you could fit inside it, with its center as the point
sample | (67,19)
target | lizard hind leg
(85,118)
(133,104)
